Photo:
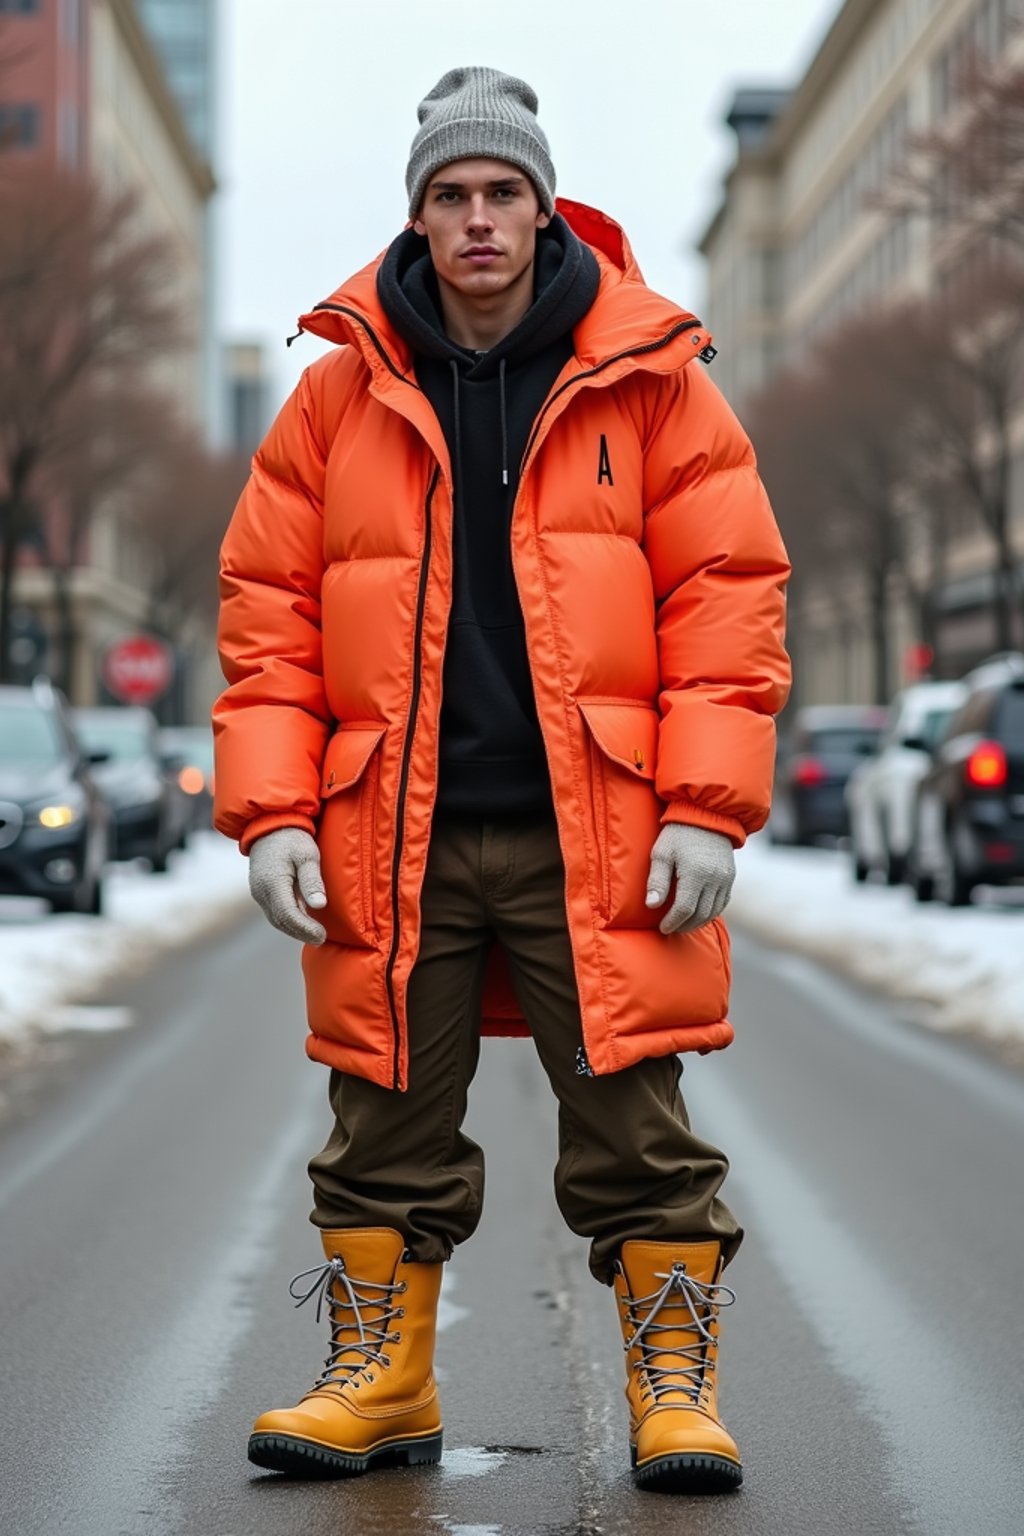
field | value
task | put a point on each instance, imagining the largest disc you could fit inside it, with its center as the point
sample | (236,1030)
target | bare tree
(839,445)
(969,387)
(86,300)
(966,172)
(182,516)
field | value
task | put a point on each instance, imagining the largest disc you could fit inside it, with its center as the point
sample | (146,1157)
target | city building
(247,386)
(83,87)
(182,32)
(801,244)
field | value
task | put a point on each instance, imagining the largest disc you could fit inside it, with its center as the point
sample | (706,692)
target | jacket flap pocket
(348,752)
(626,733)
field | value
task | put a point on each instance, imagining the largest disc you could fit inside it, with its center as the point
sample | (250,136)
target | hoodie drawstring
(453,364)
(504,423)
(458,426)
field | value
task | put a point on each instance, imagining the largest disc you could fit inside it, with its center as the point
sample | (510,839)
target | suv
(817,756)
(150,812)
(54,824)
(882,791)
(969,822)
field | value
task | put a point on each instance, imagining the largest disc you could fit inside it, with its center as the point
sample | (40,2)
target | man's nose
(479,216)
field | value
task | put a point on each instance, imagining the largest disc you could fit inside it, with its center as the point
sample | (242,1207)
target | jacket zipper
(583,1067)
(354,314)
(414,704)
(651,346)
(403,778)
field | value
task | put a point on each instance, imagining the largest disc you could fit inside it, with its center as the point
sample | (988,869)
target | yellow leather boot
(669,1296)
(375,1402)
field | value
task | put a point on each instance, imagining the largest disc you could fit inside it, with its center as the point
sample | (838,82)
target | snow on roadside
(967,965)
(47,961)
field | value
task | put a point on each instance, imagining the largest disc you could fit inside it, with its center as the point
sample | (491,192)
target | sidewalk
(966,967)
(46,960)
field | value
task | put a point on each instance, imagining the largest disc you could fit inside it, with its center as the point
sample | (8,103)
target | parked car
(55,825)
(150,815)
(816,757)
(969,819)
(187,754)
(881,792)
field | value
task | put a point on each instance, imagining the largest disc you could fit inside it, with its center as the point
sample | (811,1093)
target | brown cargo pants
(628,1165)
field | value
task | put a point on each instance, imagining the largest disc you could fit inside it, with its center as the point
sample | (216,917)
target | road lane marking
(952,1468)
(185,1374)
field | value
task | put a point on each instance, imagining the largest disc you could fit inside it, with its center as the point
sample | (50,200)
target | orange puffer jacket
(653,603)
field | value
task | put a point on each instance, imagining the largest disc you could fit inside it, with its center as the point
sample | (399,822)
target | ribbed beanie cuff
(475,111)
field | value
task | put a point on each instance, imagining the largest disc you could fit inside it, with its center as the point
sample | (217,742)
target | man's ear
(543,220)
(419,226)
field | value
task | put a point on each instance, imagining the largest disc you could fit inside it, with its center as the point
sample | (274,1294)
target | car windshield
(196,750)
(28,737)
(1010,719)
(125,740)
(845,741)
(933,725)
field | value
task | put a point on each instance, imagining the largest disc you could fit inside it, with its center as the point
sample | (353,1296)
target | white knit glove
(704,868)
(283,866)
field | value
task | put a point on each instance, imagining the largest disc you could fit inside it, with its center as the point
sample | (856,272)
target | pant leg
(401,1160)
(629,1165)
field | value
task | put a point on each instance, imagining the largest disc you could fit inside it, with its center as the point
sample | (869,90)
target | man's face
(481,219)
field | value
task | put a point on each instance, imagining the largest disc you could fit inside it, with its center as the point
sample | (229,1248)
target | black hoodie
(491,753)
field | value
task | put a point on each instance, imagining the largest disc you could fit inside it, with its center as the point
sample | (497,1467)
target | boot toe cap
(686,1432)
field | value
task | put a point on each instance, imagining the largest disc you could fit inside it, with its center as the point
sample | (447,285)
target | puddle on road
(466,1530)
(470,1461)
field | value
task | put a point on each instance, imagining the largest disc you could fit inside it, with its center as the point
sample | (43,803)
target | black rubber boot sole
(304,1458)
(687,1474)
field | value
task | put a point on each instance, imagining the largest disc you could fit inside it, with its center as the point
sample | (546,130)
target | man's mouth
(481,254)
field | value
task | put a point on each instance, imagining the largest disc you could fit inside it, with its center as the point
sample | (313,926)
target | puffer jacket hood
(651,575)
(565,285)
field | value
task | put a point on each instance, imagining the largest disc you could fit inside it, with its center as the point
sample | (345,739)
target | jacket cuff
(692,815)
(261,825)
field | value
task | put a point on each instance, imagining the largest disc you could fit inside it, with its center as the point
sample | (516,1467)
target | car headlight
(57,816)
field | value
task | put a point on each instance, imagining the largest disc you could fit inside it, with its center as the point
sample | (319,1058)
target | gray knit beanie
(477,111)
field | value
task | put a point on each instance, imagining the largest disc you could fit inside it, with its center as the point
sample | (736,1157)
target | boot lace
(648,1316)
(345,1298)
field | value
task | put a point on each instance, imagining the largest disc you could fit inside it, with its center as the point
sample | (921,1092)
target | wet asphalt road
(153,1209)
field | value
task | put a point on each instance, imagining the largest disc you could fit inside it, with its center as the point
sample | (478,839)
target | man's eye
(444,197)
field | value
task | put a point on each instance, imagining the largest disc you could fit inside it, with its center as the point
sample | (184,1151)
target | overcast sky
(319,109)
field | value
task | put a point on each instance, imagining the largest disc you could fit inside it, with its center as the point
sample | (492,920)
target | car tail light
(191,780)
(807,772)
(986,766)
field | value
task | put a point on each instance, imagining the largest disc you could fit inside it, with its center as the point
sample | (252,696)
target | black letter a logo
(604,463)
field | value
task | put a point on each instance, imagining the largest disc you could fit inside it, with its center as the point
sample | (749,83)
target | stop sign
(138,669)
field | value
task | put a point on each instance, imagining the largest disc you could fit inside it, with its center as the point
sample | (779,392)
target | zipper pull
(583,1067)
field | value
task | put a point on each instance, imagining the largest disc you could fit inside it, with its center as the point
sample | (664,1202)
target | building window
(69,141)
(19,7)
(70,22)
(19,126)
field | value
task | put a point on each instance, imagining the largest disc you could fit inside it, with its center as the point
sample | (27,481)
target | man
(501,624)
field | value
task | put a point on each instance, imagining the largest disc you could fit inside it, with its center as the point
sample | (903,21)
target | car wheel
(860,870)
(951,885)
(895,869)
(924,887)
(158,859)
